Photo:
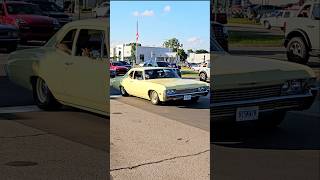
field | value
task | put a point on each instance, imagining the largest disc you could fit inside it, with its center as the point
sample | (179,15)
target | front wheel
(267,25)
(43,96)
(203,76)
(297,51)
(154,98)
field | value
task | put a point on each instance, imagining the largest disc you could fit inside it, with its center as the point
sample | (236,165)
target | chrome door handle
(68,63)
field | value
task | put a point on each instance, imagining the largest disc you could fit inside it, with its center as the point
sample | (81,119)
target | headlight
(170,92)
(296,86)
(20,22)
(203,89)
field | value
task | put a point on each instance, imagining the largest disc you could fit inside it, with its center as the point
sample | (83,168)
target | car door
(54,69)
(128,83)
(138,81)
(87,80)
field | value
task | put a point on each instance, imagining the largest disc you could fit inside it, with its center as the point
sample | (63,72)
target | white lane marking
(19,109)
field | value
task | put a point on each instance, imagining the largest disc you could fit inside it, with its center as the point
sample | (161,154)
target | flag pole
(137,37)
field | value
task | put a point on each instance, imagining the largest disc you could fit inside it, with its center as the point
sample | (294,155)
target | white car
(197,68)
(204,73)
(277,19)
(102,10)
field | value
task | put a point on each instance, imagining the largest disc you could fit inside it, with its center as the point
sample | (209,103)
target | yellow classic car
(160,84)
(257,89)
(71,69)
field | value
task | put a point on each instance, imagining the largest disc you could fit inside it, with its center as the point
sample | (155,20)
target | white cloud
(147,13)
(144,13)
(136,13)
(167,8)
(194,40)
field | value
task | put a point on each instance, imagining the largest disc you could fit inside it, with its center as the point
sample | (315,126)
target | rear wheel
(154,98)
(43,96)
(267,25)
(297,51)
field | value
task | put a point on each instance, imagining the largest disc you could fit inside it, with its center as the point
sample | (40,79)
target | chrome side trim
(187,94)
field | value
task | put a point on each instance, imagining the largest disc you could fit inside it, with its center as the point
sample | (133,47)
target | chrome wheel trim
(42,90)
(296,49)
(154,97)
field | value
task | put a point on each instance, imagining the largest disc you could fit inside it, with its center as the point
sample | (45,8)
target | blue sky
(188,21)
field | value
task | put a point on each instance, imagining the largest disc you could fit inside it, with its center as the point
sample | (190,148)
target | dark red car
(29,19)
(119,68)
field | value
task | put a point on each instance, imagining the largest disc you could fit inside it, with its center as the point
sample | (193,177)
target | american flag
(137,34)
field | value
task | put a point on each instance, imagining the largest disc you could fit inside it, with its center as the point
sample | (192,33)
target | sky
(188,21)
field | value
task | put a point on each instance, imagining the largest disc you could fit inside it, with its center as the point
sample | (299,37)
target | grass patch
(188,73)
(240,38)
(242,21)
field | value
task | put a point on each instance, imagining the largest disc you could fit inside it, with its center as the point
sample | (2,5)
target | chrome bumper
(282,103)
(181,96)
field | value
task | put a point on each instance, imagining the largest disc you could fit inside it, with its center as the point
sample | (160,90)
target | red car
(29,19)
(119,68)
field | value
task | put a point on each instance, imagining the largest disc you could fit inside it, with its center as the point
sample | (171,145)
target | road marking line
(19,109)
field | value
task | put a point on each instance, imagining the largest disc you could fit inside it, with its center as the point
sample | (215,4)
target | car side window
(305,12)
(138,75)
(131,74)
(66,43)
(90,43)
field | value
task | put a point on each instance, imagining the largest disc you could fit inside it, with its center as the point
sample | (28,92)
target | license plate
(187,97)
(247,113)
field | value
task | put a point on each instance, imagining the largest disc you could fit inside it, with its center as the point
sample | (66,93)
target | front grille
(183,91)
(220,96)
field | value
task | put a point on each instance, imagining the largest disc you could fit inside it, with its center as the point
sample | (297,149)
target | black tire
(123,91)
(12,48)
(272,121)
(43,96)
(154,98)
(203,76)
(298,51)
(267,25)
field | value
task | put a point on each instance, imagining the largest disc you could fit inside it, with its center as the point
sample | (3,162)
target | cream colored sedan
(160,84)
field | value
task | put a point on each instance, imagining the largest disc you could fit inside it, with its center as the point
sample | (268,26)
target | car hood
(240,71)
(178,83)
(34,19)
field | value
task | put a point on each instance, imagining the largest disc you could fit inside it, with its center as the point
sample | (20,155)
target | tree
(133,51)
(172,43)
(200,51)
(189,51)
(182,54)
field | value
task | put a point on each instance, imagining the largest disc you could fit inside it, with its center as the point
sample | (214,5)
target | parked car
(199,66)
(161,64)
(119,68)
(102,10)
(259,90)
(113,73)
(126,64)
(204,73)
(302,37)
(174,65)
(161,84)
(51,9)
(29,19)
(9,37)
(63,71)
(255,11)
(277,19)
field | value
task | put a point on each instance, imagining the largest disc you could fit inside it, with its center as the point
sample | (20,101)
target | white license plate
(247,113)
(187,97)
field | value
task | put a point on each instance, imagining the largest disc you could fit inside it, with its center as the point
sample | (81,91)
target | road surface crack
(31,135)
(160,161)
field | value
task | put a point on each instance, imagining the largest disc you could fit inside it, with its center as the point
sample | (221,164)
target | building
(124,52)
(198,58)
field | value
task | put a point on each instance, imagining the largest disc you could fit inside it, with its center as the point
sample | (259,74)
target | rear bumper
(227,111)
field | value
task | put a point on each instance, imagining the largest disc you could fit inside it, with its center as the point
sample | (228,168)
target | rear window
(17,8)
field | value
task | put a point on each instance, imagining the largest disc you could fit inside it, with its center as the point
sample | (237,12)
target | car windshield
(47,7)
(23,9)
(160,73)
(116,64)
(123,63)
(316,11)
(163,64)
